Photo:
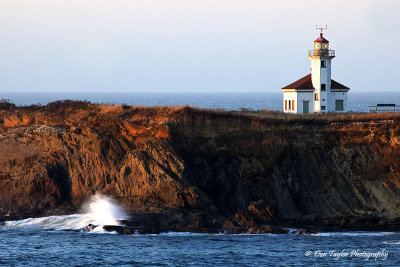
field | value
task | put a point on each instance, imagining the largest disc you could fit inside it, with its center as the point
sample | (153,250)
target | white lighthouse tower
(316,92)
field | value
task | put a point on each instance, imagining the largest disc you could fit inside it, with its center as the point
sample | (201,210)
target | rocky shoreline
(188,169)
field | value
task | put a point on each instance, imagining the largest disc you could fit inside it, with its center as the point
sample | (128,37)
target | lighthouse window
(323,87)
(316,96)
(323,63)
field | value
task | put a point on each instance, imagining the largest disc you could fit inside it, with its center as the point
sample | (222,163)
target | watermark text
(349,253)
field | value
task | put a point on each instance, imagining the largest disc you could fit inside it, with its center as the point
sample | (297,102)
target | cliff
(191,169)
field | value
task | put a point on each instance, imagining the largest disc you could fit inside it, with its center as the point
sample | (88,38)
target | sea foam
(99,210)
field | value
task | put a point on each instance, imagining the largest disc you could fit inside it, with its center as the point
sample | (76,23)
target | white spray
(99,210)
(103,210)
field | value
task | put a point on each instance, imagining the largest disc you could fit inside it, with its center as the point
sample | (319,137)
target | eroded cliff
(189,168)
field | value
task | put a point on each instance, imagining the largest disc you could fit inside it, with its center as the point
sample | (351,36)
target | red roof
(321,39)
(336,85)
(306,83)
(303,83)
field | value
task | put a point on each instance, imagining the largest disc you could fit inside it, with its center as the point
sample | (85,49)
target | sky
(193,45)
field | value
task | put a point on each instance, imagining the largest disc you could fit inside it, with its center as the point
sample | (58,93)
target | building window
(323,63)
(323,107)
(316,97)
(289,105)
(323,87)
(339,105)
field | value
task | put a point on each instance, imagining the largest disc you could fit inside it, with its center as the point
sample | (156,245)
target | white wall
(301,96)
(305,96)
(338,96)
(298,97)
(290,96)
(321,75)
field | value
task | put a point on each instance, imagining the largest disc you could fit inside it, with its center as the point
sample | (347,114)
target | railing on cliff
(384,108)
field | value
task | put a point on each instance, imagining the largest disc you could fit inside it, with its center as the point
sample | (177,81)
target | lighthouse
(316,92)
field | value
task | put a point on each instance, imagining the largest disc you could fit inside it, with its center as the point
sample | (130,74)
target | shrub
(6,104)
(53,106)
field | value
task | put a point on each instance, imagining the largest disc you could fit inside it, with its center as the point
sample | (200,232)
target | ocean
(39,247)
(357,102)
(61,240)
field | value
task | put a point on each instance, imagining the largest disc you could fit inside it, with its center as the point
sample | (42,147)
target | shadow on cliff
(188,168)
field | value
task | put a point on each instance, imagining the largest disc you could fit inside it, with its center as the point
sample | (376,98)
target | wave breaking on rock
(100,210)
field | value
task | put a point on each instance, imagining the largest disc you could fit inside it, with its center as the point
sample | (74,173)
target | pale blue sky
(193,45)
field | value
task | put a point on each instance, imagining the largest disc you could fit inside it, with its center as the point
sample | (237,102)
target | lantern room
(321,48)
(321,43)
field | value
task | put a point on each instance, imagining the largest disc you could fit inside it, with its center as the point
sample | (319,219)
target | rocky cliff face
(194,169)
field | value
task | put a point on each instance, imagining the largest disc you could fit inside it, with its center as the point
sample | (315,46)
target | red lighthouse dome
(321,43)
(321,39)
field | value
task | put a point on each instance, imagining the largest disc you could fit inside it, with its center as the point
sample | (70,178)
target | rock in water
(124,230)
(89,227)
(303,232)
(119,229)
(267,229)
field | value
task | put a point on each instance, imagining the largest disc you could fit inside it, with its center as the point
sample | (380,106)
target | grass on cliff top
(69,107)
(5,104)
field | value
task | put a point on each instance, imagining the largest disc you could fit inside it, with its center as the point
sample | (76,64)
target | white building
(316,92)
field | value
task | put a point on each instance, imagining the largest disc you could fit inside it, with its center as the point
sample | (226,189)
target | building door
(306,107)
(339,105)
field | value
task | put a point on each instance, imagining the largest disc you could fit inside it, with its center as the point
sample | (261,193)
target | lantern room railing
(322,52)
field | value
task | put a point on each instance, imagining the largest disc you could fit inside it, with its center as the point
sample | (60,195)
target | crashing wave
(100,210)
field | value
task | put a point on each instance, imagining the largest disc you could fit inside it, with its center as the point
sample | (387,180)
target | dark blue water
(358,101)
(60,240)
(39,247)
